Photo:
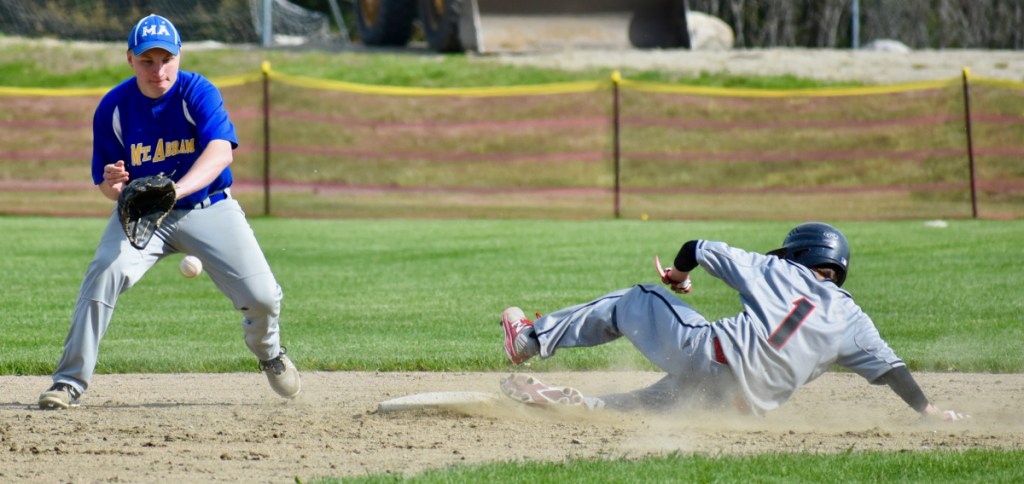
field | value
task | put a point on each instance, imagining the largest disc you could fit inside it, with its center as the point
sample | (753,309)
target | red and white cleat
(518,346)
(531,391)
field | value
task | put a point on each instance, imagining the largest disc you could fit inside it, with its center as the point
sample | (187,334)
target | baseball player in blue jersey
(168,121)
(796,323)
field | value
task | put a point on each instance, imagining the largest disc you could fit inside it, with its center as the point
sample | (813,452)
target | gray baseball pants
(669,332)
(220,236)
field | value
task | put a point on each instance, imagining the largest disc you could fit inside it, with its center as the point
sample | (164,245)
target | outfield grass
(395,295)
(874,467)
(426,295)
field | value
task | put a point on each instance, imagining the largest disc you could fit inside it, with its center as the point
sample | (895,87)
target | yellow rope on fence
(238,80)
(781,93)
(228,81)
(537,89)
(52,92)
(991,81)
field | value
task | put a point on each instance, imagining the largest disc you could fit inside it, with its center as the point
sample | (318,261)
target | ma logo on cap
(152,32)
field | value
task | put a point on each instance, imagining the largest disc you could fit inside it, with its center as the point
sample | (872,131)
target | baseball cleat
(531,391)
(59,396)
(519,345)
(282,375)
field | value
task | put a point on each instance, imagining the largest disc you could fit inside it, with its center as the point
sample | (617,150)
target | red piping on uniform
(719,354)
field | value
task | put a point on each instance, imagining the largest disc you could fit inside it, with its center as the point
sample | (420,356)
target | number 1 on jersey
(801,309)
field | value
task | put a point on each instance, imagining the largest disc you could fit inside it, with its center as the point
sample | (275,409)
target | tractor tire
(440,20)
(660,25)
(385,22)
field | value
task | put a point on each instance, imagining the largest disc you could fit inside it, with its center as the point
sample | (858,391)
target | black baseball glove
(143,204)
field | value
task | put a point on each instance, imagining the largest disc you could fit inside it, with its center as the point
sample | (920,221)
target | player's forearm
(215,158)
(686,259)
(903,384)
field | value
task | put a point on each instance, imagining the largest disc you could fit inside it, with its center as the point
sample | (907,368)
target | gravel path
(871,67)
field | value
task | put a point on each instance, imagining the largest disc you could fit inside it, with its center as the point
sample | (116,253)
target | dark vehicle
(495,25)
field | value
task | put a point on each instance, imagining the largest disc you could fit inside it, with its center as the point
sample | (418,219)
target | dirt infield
(230,427)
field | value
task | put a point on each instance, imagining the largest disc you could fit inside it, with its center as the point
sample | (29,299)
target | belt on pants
(719,354)
(212,199)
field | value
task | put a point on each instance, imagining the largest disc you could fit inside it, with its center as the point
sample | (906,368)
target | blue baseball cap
(152,32)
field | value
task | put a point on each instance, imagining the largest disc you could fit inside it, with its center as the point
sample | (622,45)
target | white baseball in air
(191,266)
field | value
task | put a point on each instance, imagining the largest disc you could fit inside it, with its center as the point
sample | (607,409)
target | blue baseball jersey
(164,135)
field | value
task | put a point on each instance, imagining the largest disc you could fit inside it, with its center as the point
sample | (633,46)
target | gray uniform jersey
(793,327)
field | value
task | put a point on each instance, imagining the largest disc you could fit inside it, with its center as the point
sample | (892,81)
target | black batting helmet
(816,244)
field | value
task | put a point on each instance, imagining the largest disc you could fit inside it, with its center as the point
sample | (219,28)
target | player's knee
(260,299)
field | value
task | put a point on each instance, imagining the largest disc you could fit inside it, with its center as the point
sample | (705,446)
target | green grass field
(866,467)
(366,294)
(426,295)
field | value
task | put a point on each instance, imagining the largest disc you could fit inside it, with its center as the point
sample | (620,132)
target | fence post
(616,141)
(265,68)
(970,143)
(855,25)
(267,31)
